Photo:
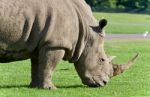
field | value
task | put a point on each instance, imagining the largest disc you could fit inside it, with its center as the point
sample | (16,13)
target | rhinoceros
(48,31)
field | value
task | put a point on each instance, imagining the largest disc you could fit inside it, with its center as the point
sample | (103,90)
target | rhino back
(29,24)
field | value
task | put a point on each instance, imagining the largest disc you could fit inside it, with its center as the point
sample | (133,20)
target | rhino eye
(101,59)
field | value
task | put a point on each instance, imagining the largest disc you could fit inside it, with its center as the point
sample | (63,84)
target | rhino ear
(102,23)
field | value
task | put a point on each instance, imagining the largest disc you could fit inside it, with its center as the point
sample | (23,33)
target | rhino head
(94,67)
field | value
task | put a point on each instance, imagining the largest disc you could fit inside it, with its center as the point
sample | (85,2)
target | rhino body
(47,31)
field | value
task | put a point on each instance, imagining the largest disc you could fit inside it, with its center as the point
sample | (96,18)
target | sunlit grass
(125,22)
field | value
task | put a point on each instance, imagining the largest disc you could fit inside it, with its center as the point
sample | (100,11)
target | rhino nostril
(105,82)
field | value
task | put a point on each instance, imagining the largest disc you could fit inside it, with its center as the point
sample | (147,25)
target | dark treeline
(124,5)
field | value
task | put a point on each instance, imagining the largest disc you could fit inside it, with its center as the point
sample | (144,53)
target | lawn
(15,77)
(125,22)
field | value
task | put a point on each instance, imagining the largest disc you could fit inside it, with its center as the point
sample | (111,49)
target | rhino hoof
(50,87)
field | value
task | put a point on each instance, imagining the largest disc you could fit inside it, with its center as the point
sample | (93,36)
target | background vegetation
(120,5)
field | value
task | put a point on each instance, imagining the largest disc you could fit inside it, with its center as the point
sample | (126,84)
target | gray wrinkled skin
(47,31)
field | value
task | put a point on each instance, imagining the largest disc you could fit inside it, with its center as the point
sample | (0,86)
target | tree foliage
(124,4)
(133,4)
(100,3)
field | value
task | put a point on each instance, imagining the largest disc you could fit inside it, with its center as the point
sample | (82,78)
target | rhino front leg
(48,58)
(34,72)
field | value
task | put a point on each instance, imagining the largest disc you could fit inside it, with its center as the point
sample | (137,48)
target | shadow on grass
(72,86)
(27,86)
(13,86)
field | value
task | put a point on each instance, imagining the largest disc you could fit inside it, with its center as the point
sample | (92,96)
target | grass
(15,77)
(125,22)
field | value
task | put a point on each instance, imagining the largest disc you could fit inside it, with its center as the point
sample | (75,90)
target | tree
(140,5)
(98,3)
(91,2)
(128,5)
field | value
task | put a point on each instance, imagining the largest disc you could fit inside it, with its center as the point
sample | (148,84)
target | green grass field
(125,23)
(15,77)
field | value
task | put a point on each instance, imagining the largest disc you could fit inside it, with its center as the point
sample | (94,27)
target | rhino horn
(118,69)
(111,58)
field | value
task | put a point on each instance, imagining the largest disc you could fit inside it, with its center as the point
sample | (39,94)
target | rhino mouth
(99,81)
(95,81)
